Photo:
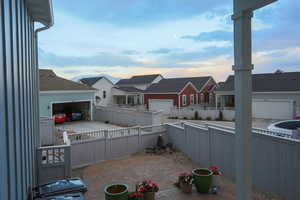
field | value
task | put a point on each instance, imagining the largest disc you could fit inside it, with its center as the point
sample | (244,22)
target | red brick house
(179,92)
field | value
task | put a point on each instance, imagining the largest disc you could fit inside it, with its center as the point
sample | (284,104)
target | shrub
(185,118)
(208,118)
(196,115)
(220,118)
(106,122)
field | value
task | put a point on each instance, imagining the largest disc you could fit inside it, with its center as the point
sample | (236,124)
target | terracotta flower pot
(186,188)
(149,196)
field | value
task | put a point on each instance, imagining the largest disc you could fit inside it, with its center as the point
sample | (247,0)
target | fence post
(209,145)
(139,139)
(105,144)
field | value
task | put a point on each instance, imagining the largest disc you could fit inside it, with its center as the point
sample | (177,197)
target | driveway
(84,126)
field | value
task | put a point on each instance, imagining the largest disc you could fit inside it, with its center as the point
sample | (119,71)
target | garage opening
(73,110)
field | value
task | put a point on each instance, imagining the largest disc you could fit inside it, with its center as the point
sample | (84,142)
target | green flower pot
(203,179)
(116,192)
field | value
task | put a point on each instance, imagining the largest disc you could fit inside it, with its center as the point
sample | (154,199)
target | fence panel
(275,157)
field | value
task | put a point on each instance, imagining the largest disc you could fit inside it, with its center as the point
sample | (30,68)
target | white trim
(186,85)
(183,102)
(211,78)
(222,93)
(67,91)
(76,101)
(192,96)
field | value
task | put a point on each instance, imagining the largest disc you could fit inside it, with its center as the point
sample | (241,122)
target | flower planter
(203,179)
(186,188)
(116,192)
(149,196)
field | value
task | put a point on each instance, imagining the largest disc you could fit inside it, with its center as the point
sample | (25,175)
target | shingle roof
(130,89)
(175,85)
(271,82)
(91,81)
(49,81)
(138,79)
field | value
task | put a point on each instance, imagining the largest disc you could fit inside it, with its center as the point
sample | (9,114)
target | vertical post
(126,100)
(243,96)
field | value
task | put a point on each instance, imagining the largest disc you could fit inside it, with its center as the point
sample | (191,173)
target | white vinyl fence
(126,117)
(92,147)
(213,114)
(47,133)
(275,159)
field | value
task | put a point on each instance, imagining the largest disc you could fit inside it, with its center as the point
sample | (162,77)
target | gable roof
(130,89)
(138,79)
(175,85)
(49,81)
(270,82)
(92,80)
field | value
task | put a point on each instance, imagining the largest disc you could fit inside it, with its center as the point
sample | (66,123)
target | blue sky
(174,38)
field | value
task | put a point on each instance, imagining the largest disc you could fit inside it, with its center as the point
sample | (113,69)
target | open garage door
(73,109)
(163,105)
(272,109)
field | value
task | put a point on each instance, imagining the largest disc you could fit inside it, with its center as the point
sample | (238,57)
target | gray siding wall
(275,160)
(18,99)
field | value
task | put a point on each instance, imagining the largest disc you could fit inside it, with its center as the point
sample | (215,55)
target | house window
(192,99)
(104,94)
(183,99)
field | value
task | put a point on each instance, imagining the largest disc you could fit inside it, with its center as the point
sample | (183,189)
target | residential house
(19,93)
(104,86)
(130,91)
(275,95)
(59,95)
(179,92)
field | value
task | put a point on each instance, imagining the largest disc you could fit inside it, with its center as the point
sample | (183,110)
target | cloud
(160,51)
(211,36)
(101,59)
(137,12)
(130,52)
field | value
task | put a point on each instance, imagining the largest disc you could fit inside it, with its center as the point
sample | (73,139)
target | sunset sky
(175,38)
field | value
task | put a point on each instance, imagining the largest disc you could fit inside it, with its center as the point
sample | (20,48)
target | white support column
(126,100)
(216,100)
(243,102)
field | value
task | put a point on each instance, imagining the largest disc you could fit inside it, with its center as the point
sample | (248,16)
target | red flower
(141,189)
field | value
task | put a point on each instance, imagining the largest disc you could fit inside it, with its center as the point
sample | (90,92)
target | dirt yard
(163,169)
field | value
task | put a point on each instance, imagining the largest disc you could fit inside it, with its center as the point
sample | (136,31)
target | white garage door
(272,109)
(163,105)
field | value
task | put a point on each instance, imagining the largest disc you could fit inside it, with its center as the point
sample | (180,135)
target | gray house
(275,95)
(59,95)
(19,116)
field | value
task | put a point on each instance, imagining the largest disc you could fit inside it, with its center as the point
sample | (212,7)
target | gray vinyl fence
(276,160)
(96,146)
(126,117)
(54,162)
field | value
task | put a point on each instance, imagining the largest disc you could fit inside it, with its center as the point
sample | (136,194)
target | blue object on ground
(76,196)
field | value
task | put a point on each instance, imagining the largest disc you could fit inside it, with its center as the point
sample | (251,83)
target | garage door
(163,105)
(83,107)
(273,109)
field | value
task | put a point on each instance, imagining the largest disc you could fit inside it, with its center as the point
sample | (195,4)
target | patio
(163,169)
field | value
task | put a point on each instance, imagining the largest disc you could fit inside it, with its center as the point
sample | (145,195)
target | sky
(174,38)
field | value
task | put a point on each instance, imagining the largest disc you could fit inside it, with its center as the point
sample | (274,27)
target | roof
(138,79)
(91,81)
(175,85)
(49,81)
(130,89)
(41,11)
(270,82)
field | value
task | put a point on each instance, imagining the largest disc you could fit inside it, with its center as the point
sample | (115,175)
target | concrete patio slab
(162,169)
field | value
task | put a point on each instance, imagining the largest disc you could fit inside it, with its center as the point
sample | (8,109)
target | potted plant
(186,180)
(136,196)
(116,192)
(148,188)
(216,176)
(202,179)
